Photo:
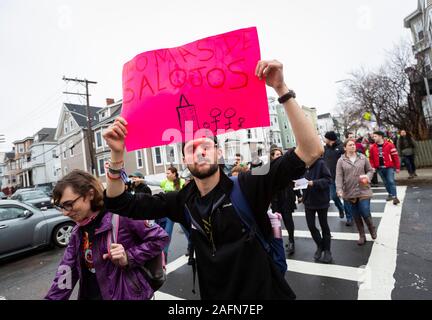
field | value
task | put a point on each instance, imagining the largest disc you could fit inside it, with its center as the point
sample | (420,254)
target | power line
(40,110)
(89,119)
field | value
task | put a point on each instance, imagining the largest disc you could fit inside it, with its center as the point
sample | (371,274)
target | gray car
(24,227)
(36,198)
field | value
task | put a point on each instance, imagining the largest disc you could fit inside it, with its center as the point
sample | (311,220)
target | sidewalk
(424,177)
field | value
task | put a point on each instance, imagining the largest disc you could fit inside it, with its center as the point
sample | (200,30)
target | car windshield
(31,195)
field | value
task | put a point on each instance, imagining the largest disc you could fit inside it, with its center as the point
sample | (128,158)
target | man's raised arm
(309,147)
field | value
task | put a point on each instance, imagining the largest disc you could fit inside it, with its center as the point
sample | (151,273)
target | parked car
(19,191)
(47,188)
(24,227)
(3,196)
(37,198)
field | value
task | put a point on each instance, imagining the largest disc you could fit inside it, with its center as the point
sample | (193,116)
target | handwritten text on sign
(207,84)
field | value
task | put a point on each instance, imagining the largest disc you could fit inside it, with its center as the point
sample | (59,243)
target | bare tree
(391,94)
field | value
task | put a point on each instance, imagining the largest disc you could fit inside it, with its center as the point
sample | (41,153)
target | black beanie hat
(331,135)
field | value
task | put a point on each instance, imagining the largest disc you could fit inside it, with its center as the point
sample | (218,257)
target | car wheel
(62,234)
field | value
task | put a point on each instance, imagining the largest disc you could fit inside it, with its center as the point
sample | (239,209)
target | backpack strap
(245,213)
(189,222)
(113,234)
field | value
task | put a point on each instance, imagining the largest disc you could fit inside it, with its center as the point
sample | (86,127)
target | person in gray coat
(353,176)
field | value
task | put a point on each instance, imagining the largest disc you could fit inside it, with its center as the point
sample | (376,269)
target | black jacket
(285,200)
(142,188)
(233,264)
(318,196)
(332,155)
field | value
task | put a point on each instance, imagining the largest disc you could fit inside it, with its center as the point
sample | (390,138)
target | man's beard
(203,174)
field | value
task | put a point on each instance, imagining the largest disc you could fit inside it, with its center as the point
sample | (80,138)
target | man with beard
(230,260)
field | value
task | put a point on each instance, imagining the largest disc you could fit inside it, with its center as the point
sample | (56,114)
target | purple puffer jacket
(141,243)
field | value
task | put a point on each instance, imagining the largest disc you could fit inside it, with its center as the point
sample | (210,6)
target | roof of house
(79,112)
(46,135)
(115,109)
(10,155)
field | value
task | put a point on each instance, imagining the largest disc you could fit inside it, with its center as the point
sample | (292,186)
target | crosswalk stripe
(335,235)
(164,296)
(372,201)
(178,263)
(336,214)
(380,281)
(325,270)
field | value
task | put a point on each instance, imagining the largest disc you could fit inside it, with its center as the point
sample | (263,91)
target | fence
(423,153)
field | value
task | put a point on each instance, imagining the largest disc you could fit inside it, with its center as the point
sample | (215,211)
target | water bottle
(275,220)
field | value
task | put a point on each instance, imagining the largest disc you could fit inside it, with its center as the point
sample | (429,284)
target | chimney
(109,101)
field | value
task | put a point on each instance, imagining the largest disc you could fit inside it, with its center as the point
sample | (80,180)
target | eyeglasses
(67,205)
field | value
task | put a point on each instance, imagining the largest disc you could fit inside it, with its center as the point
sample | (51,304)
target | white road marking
(178,263)
(325,270)
(336,214)
(164,296)
(372,201)
(335,235)
(379,282)
(171,267)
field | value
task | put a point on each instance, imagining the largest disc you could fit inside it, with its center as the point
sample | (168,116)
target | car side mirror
(26,214)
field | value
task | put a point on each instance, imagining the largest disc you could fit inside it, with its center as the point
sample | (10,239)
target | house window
(170,156)
(54,153)
(71,147)
(157,155)
(20,148)
(139,158)
(98,139)
(101,167)
(249,134)
(65,127)
(66,170)
(64,151)
(71,124)
(54,172)
(420,35)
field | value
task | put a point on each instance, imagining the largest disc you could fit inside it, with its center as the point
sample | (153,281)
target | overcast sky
(319,42)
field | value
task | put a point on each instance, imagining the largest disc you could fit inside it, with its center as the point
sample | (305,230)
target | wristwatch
(290,94)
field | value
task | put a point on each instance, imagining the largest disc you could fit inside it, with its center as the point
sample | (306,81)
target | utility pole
(89,120)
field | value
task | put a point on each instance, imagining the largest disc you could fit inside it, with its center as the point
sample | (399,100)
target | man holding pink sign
(232,258)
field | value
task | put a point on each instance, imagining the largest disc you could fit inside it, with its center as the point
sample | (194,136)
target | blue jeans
(335,198)
(388,177)
(169,225)
(361,208)
(348,212)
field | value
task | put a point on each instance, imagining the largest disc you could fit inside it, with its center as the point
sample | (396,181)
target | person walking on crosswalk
(353,176)
(316,199)
(284,202)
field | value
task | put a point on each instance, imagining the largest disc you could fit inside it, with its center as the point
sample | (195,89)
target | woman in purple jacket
(103,273)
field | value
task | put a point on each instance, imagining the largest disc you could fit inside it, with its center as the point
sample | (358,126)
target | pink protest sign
(207,84)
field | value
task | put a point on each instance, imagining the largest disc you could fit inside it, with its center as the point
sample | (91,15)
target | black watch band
(290,94)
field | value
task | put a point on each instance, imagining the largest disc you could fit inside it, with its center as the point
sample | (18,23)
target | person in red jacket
(384,159)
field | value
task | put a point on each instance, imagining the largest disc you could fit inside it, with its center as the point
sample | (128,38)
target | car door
(17,231)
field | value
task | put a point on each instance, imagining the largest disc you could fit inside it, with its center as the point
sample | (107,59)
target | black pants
(324,240)
(375,178)
(289,224)
(410,164)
